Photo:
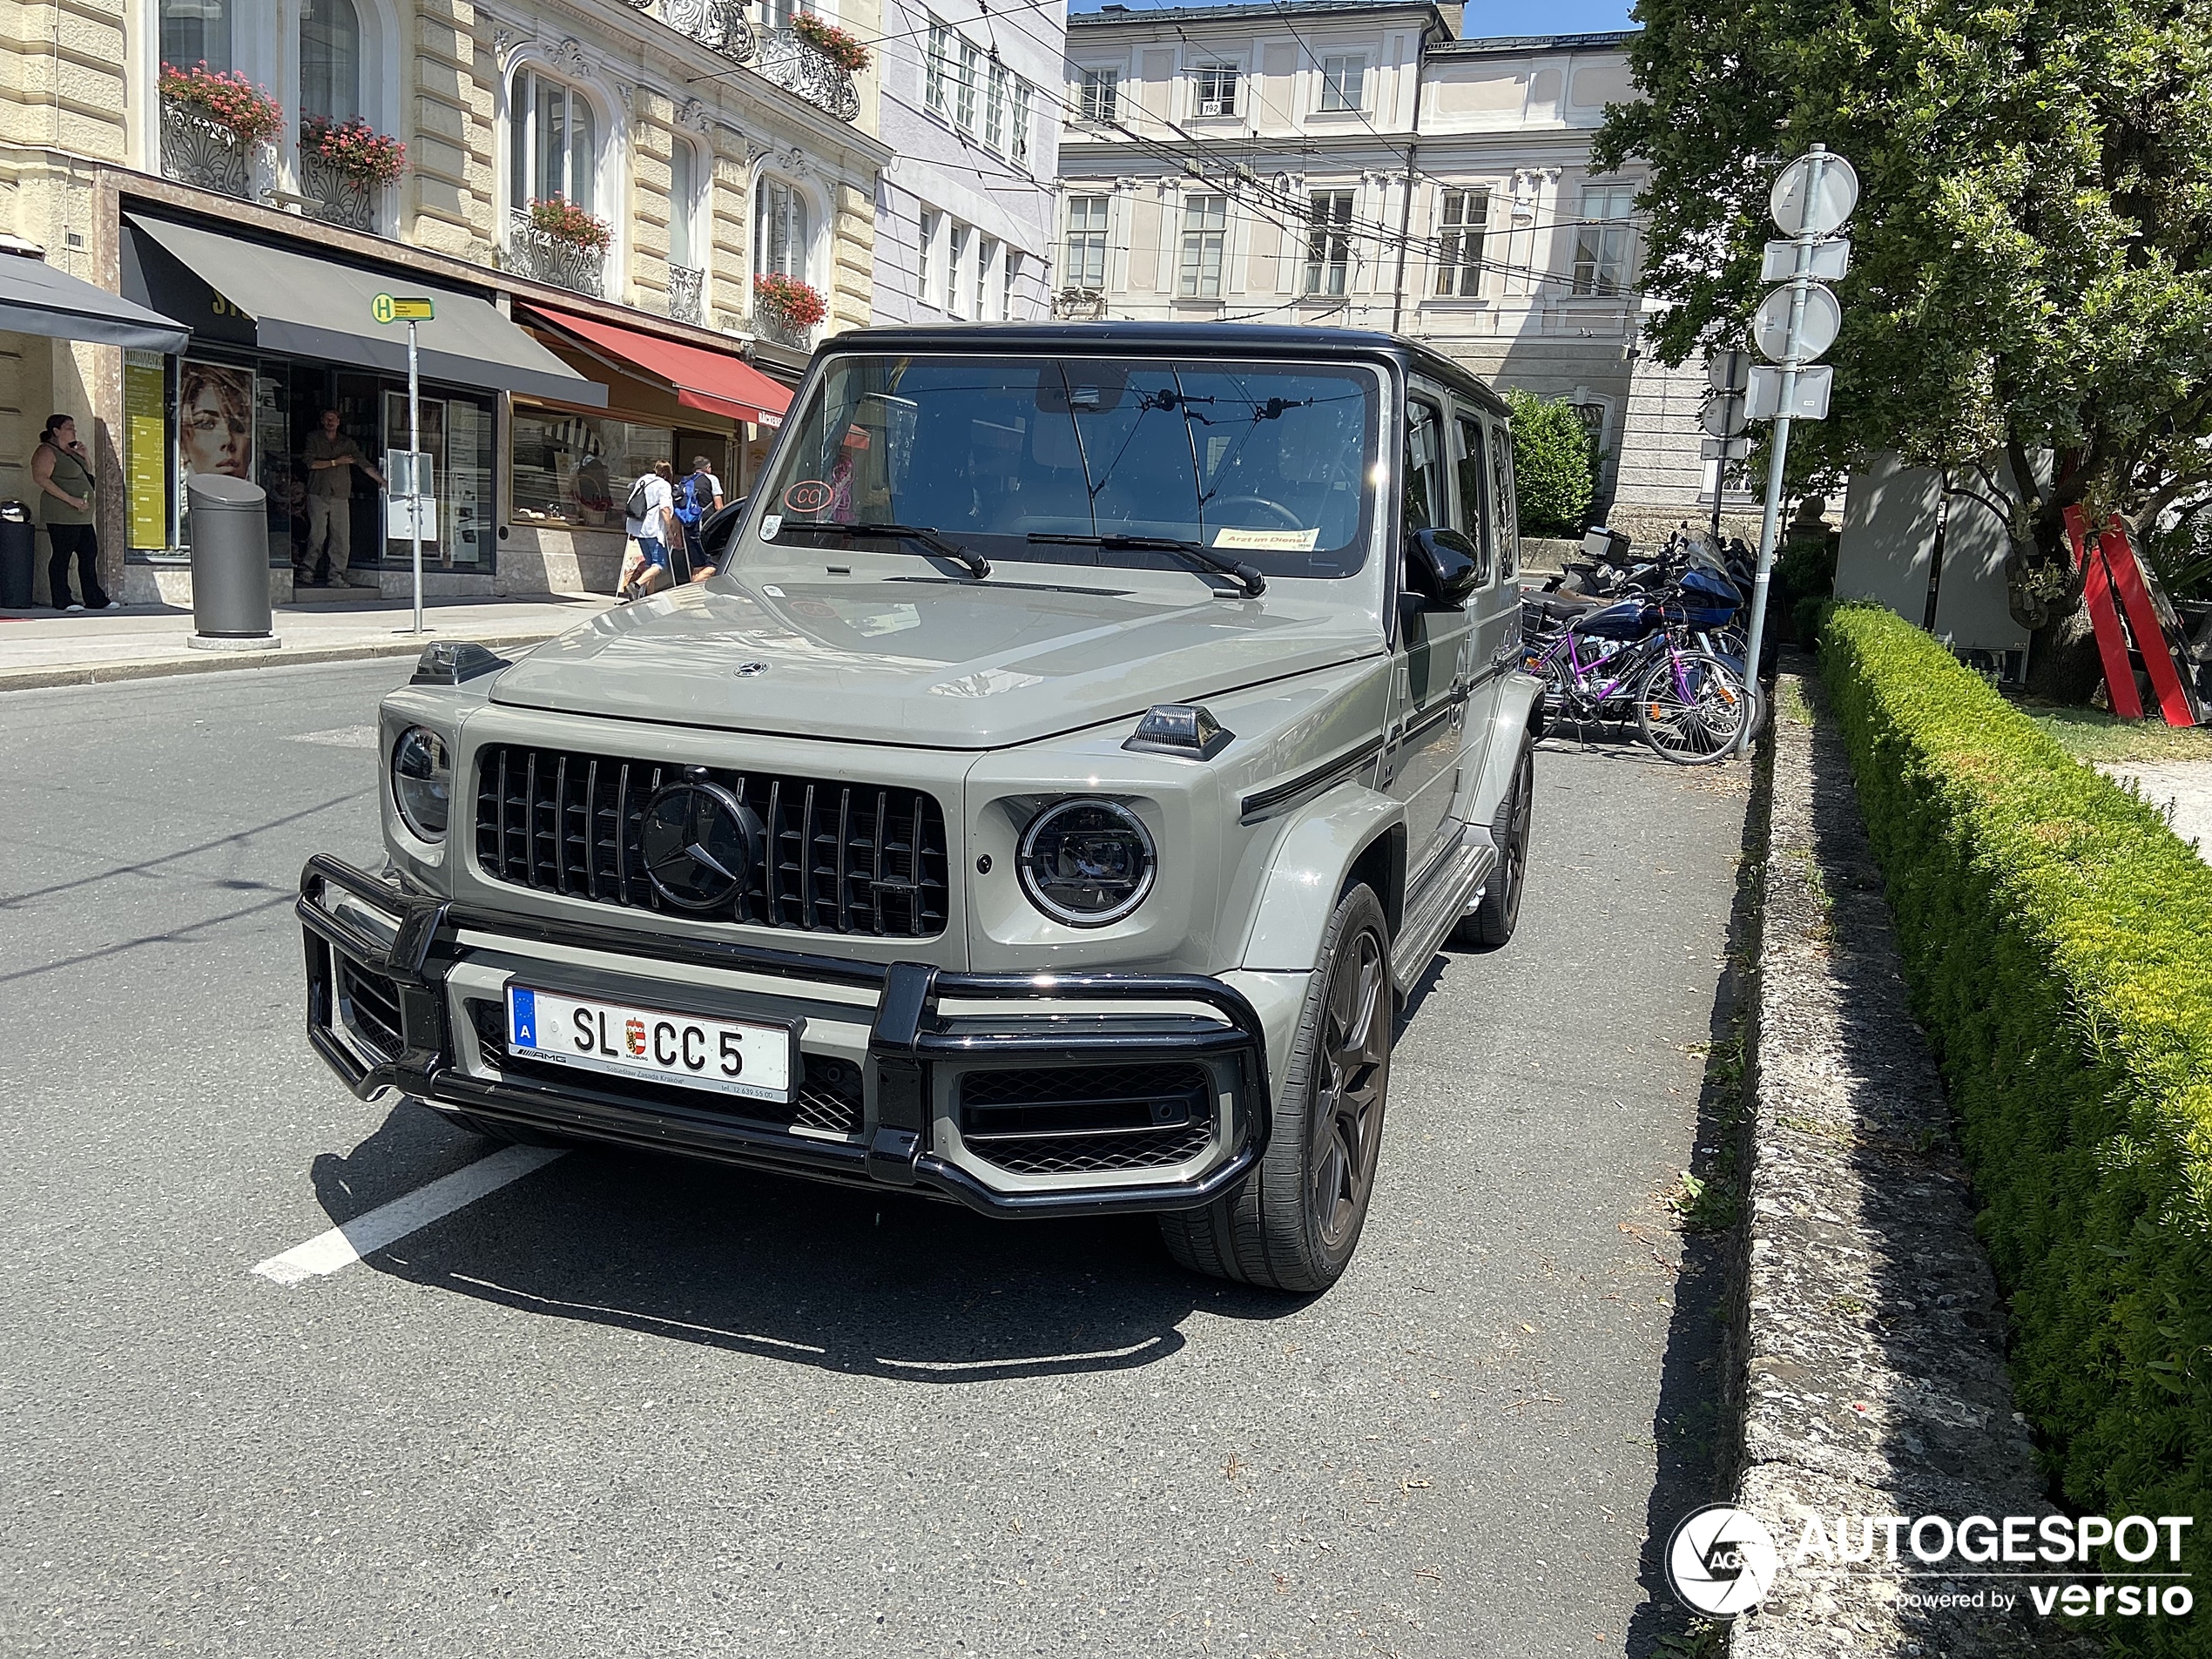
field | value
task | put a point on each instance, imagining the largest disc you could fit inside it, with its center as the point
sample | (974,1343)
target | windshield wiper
(1247,576)
(978,566)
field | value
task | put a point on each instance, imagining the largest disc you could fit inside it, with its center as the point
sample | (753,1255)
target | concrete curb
(1871,1334)
(140,668)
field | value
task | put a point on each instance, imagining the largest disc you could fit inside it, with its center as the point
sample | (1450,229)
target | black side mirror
(1443,567)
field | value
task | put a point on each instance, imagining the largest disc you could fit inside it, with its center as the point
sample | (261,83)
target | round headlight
(423,781)
(1086,862)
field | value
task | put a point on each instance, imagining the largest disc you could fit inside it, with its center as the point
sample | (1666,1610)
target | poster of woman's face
(215,420)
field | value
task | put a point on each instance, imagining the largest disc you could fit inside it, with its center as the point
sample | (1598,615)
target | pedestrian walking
(330,458)
(650,519)
(63,474)
(697,498)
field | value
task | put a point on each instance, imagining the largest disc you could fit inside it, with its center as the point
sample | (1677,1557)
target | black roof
(1482,45)
(1172,339)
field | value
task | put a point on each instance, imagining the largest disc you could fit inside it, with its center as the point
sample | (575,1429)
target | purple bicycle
(1635,661)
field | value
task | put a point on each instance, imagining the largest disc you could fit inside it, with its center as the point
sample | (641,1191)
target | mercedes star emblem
(697,844)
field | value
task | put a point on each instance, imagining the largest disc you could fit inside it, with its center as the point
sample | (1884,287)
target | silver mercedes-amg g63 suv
(1092,732)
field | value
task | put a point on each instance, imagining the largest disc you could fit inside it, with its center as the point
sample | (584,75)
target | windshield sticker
(896,620)
(808,495)
(770,525)
(1269,541)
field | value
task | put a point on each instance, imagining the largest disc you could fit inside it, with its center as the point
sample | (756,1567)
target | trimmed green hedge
(2058,943)
(1555,465)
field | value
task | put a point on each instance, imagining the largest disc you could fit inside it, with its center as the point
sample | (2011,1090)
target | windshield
(1267,462)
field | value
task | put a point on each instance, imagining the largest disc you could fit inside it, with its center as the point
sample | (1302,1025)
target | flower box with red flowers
(227,100)
(354,148)
(563,222)
(842,49)
(788,299)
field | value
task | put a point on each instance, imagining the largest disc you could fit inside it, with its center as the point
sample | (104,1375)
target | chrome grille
(834,857)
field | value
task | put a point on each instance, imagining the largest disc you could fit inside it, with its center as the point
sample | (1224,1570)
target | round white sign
(1798,206)
(1815,331)
(1722,1560)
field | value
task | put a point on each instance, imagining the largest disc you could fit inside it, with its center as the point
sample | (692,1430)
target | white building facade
(1353,163)
(965,218)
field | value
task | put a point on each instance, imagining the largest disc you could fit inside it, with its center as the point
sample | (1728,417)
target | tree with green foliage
(1555,465)
(2032,255)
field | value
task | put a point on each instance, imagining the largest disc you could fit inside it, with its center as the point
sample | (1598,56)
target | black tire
(1294,1223)
(1703,727)
(1493,920)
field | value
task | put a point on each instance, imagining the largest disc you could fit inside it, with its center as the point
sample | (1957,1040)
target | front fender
(1517,695)
(1307,871)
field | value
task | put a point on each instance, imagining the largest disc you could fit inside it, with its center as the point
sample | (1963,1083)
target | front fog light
(1087,863)
(422,782)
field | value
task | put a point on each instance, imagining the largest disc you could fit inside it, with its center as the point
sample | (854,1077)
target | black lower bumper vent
(1087,1120)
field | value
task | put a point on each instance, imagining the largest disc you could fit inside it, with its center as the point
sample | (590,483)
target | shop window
(778,230)
(330,59)
(553,142)
(576,470)
(683,178)
(195,32)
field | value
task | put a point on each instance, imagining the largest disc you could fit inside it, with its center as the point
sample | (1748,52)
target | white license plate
(747,1057)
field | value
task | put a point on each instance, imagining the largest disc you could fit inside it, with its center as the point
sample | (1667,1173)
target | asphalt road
(626,1406)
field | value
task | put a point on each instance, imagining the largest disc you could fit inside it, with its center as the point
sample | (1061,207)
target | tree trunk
(2062,662)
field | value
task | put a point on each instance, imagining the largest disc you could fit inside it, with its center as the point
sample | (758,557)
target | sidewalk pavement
(43,647)
(2180,789)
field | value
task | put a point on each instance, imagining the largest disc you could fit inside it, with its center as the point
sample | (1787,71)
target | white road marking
(390,1222)
(340,736)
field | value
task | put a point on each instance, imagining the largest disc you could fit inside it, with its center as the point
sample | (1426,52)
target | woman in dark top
(63,474)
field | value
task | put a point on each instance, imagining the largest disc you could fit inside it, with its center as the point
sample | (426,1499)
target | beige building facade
(705,143)
(1357,163)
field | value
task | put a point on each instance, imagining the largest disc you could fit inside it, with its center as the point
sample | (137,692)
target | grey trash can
(17,536)
(230,557)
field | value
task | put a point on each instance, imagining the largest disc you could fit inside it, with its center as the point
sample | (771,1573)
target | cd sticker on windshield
(808,495)
(1268,541)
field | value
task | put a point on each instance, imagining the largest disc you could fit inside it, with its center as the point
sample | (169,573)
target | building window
(987,253)
(1009,278)
(1019,154)
(1205,225)
(1459,243)
(1591,415)
(955,261)
(1604,240)
(777,14)
(937,70)
(971,70)
(330,59)
(553,142)
(1085,262)
(683,205)
(994,108)
(1343,83)
(196,31)
(778,230)
(924,249)
(1328,241)
(1216,87)
(1101,94)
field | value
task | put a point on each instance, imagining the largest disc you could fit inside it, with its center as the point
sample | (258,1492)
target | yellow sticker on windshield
(1269,541)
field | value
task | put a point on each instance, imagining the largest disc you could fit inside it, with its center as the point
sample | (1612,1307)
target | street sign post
(1811,200)
(389,307)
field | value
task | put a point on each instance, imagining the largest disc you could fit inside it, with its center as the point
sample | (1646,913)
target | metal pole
(1779,455)
(415,466)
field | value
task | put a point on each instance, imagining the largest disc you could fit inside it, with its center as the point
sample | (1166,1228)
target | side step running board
(1442,900)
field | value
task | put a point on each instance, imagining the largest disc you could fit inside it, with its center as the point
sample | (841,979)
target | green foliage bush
(2058,942)
(1555,465)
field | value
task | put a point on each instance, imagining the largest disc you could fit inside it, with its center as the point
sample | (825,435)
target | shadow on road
(875,1284)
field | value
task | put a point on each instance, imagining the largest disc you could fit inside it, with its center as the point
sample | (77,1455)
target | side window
(1504,514)
(1475,515)
(1427,505)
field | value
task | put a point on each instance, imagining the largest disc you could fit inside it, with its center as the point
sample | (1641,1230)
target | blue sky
(1487,16)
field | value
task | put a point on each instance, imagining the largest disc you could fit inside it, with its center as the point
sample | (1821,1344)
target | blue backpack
(693,500)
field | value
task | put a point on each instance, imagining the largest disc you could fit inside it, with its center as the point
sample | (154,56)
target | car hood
(929,662)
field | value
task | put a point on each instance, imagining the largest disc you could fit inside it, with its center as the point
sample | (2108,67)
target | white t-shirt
(660,506)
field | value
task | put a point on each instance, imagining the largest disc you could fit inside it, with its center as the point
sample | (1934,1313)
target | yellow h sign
(390,308)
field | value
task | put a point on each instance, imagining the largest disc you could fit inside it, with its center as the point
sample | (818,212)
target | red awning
(716,382)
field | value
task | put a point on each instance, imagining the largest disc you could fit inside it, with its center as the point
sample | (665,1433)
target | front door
(1423,760)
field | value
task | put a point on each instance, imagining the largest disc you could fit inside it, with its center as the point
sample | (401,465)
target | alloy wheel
(1348,1107)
